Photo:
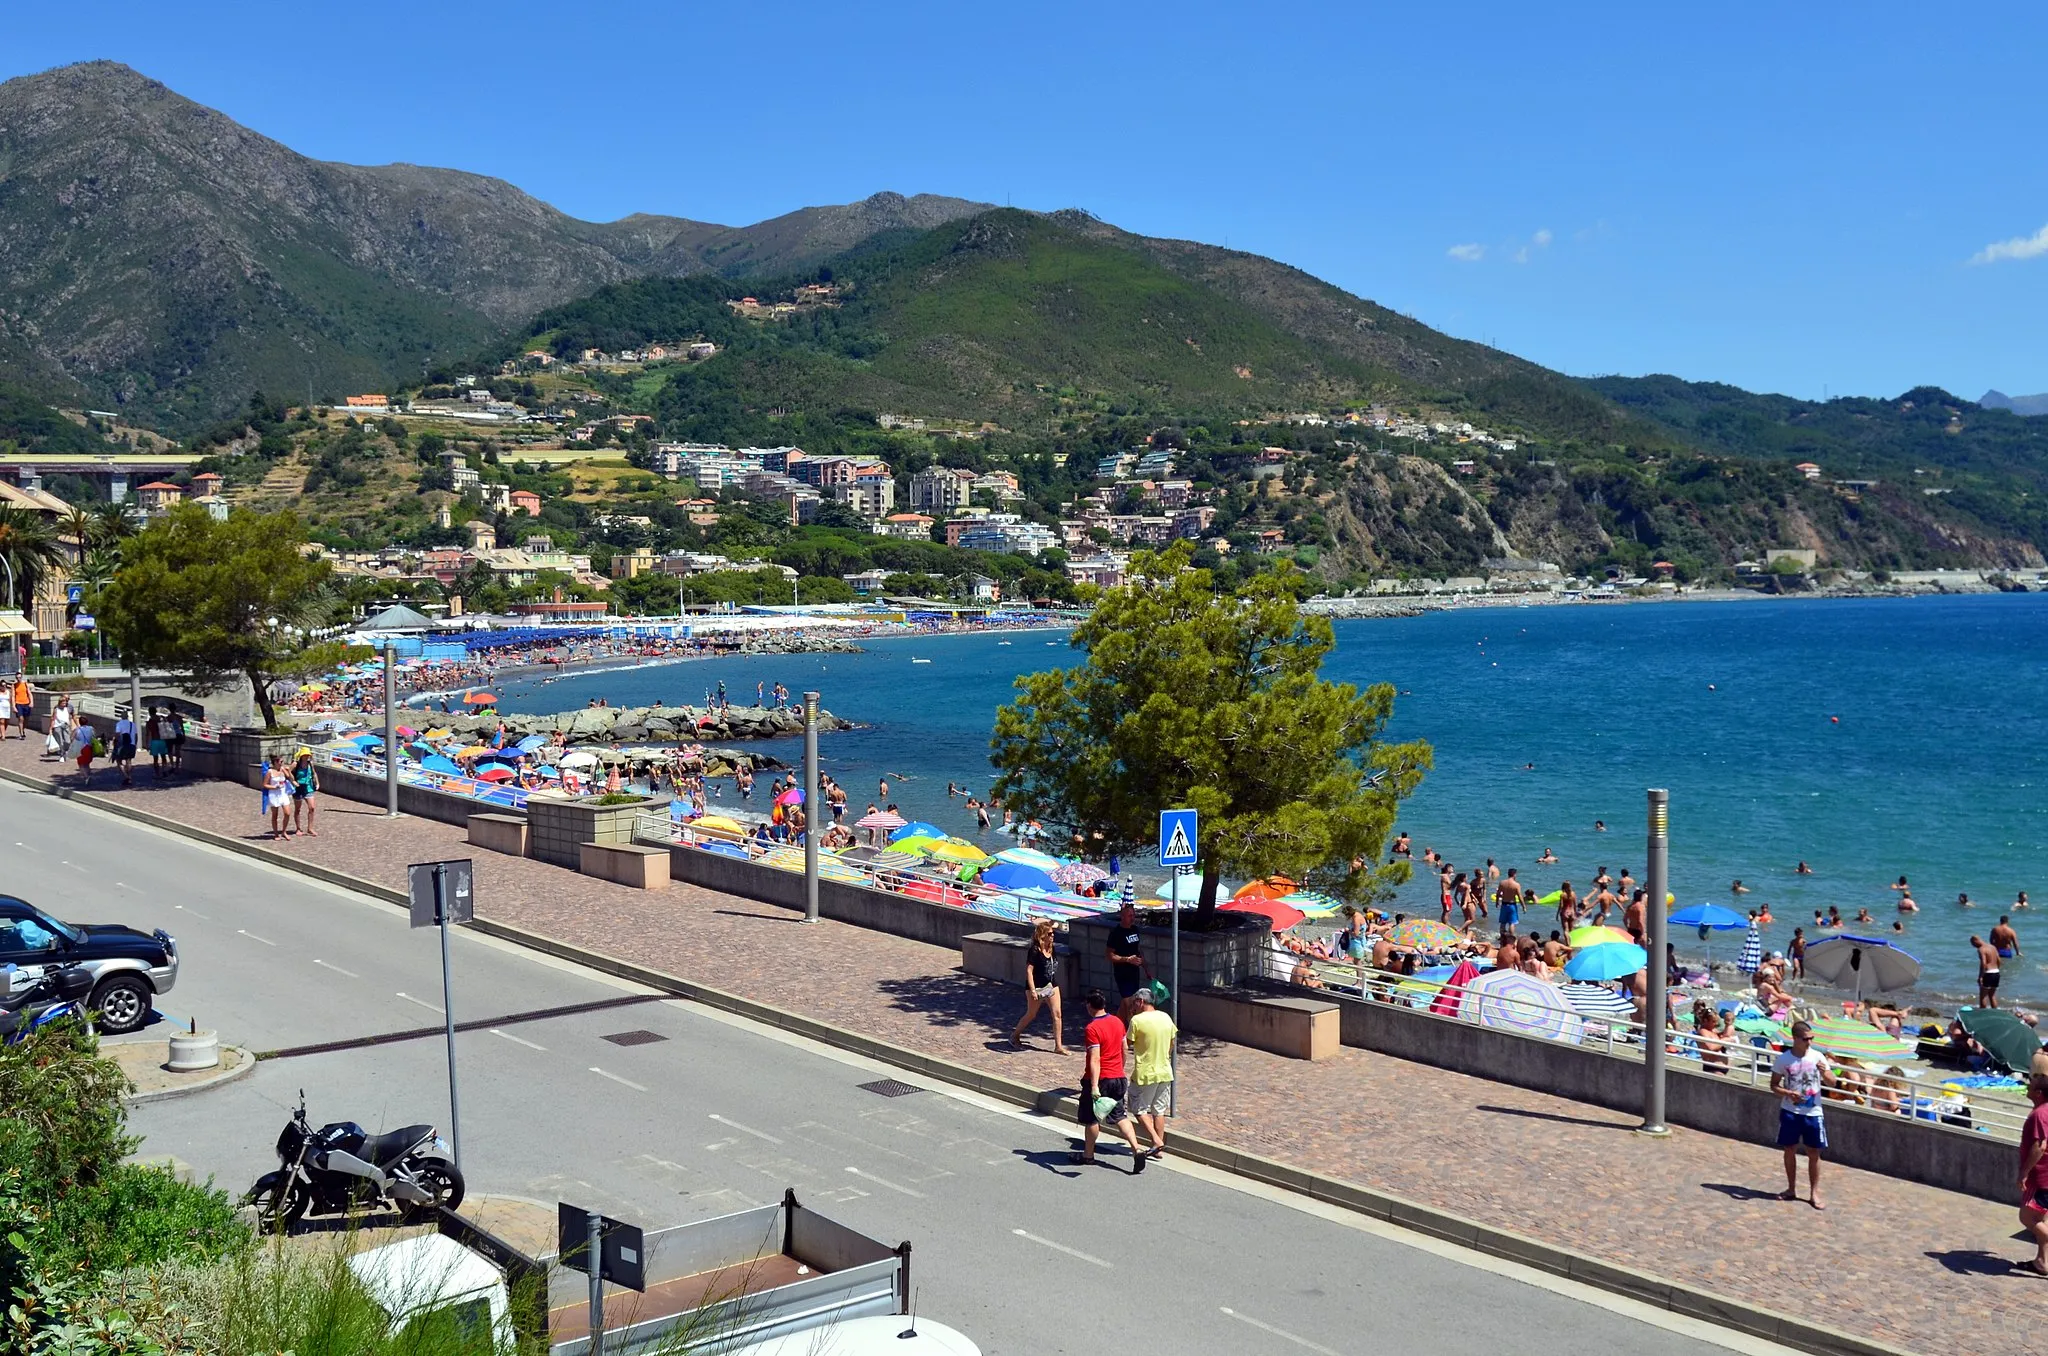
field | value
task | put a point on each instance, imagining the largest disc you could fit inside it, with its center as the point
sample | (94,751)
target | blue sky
(1804,198)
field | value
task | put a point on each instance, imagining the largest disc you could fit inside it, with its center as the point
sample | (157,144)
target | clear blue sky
(1787,197)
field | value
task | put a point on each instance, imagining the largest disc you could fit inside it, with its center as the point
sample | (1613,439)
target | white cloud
(1543,238)
(1539,241)
(1467,254)
(2019,247)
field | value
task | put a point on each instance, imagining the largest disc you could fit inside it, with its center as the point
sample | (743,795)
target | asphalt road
(1011,1245)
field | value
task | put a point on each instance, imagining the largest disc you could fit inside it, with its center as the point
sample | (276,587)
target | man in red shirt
(1102,1078)
(2034,1176)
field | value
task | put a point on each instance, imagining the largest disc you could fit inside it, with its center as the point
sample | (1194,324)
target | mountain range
(159,259)
(2029,405)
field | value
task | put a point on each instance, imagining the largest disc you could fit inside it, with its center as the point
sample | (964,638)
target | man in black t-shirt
(1126,953)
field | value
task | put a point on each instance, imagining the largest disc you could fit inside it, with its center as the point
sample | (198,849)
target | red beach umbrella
(1284,916)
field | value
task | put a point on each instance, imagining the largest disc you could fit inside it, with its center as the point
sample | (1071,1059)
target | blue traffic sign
(1177,838)
(75,593)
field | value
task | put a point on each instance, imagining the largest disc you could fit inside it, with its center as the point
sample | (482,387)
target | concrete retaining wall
(412,800)
(1919,1151)
(940,924)
(1207,960)
(499,833)
(1001,956)
(1299,1028)
(629,864)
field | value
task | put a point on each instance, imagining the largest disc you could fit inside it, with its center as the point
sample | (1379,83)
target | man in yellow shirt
(1152,1033)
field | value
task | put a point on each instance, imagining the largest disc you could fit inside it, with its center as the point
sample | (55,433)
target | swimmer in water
(1802,870)
(1963,902)
(1901,887)
(1906,904)
(1738,888)
(1863,916)
(1763,914)
(2021,902)
(1547,859)
(1599,826)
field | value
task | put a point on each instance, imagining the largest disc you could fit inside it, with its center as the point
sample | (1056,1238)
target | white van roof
(880,1335)
(419,1273)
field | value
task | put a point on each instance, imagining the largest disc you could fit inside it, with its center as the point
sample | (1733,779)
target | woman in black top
(1041,986)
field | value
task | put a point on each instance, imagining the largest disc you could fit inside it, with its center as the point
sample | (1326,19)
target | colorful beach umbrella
(1284,916)
(1187,889)
(1071,874)
(1509,1000)
(1024,856)
(1609,960)
(880,819)
(480,699)
(917,828)
(1597,936)
(935,892)
(793,796)
(1841,1036)
(1424,935)
(1314,903)
(953,850)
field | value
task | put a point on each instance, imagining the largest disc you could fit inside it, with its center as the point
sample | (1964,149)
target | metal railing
(1743,1057)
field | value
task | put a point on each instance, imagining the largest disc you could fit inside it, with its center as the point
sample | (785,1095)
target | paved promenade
(1909,1265)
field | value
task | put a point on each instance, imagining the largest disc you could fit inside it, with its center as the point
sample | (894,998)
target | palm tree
(81,527)
(29,545)
(113,522)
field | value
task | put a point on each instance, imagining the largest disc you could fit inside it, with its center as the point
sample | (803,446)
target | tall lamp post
(812,816)
(1656,875)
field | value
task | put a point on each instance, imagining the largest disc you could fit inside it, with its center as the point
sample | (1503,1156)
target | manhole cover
(635,1037)
(889,1087)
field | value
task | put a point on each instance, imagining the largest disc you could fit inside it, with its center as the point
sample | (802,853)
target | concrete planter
(1232,954)
(194,1050)
(558,827)
(243,753)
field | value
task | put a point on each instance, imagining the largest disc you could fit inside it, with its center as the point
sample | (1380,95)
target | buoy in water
(1834,720)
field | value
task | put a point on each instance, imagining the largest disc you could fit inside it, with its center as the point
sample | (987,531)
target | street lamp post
(1657,874)
(812,818)
(390,731)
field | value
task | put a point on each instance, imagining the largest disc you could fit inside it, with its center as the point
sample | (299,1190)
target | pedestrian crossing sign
(1177,838)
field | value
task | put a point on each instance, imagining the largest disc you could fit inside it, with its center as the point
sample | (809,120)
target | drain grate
(635,1037)
(889,1087)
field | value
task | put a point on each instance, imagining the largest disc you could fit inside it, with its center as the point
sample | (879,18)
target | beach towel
(1752,951)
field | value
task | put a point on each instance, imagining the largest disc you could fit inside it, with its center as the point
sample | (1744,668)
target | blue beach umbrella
(364,741)
(532,742)
(918,829)
(1016,876)
(1710,916)
(438,763)
(1609,960)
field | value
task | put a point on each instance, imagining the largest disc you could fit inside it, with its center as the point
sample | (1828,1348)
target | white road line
(26,848)
(883,1181)
(330,965)
(1061,1247)
(126,886)
(267,942)
(745,1130)
(616,1079)
(424,1003)
(76,867)
(516,1041)
(194,912)
(1277,1332)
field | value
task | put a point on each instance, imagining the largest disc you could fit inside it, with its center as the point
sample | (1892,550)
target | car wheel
(442,1181)
(121,1004)
(279,1202)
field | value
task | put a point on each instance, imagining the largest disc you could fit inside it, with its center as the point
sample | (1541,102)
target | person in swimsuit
(1802,870)
(1987,973)
(2004,940)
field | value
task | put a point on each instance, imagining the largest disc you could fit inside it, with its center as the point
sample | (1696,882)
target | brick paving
(1905,1264)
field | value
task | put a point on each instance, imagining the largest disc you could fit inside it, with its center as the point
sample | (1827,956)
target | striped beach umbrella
(1509,1000)
(1752,951)
(1314,903)
(1072,874)
(1596,1000)
(880,819)
(1841,1036)
(1024,856)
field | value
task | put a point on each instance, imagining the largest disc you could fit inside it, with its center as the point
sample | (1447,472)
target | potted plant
(559,825)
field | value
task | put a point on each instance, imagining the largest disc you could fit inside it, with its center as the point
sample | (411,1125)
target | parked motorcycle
(339,1169)
(60,993)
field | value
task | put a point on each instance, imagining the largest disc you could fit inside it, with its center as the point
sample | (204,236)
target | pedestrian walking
(1126,951)
(1041,987)
(83,747)
(277,799)
(20,705)
(305,787)
(124,748)
(153,738)
(2034,1175)
(1987,972)
(1103,1085)
(1152,1033)
(63,722)
(1797,1076)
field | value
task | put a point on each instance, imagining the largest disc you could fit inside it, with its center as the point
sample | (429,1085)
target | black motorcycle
(340,1169)
(58,995)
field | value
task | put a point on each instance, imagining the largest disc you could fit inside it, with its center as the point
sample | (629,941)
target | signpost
(619,1252)
(1179,838)
(444,893)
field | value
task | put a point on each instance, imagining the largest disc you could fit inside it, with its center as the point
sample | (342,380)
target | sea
(1869,738)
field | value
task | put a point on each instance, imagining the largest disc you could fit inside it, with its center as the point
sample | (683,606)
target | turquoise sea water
(1870,738)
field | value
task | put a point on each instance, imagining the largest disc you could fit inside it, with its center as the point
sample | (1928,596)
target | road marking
(1061,1247)
(75,867)
(745,1130)
(424,1003)
(516,1041)
(26,848)
(336,968)
(267,942)
(194,912)
(126,886)
(883,1181)
(1277,1332)
(616,1079)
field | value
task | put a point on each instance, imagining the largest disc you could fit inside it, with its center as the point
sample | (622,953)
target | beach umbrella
(405,732)
(437,734)
(1314,903)
(917,828)
(1864,964)
(953,850)
(1188,889)
(532,742)
(793,796)
(577,758)
(1597,936)
(1016,876)
(331,726)
(1075,873)
(497,772)
(1509,1000)
(1446,1002)
(2004,1037)
(473,751)
(437,763)
(880,819)
(1024,856)
(1272,887)
(936,892)
(921,844)
(1284,916)
(363,741)
(1423,935)
(1710,916)
(1596,1000)
(723,848)
(1609,960)
(480,699)
(1841,1036)
(720,823)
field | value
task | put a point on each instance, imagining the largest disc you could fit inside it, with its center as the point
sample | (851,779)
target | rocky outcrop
(640,724)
